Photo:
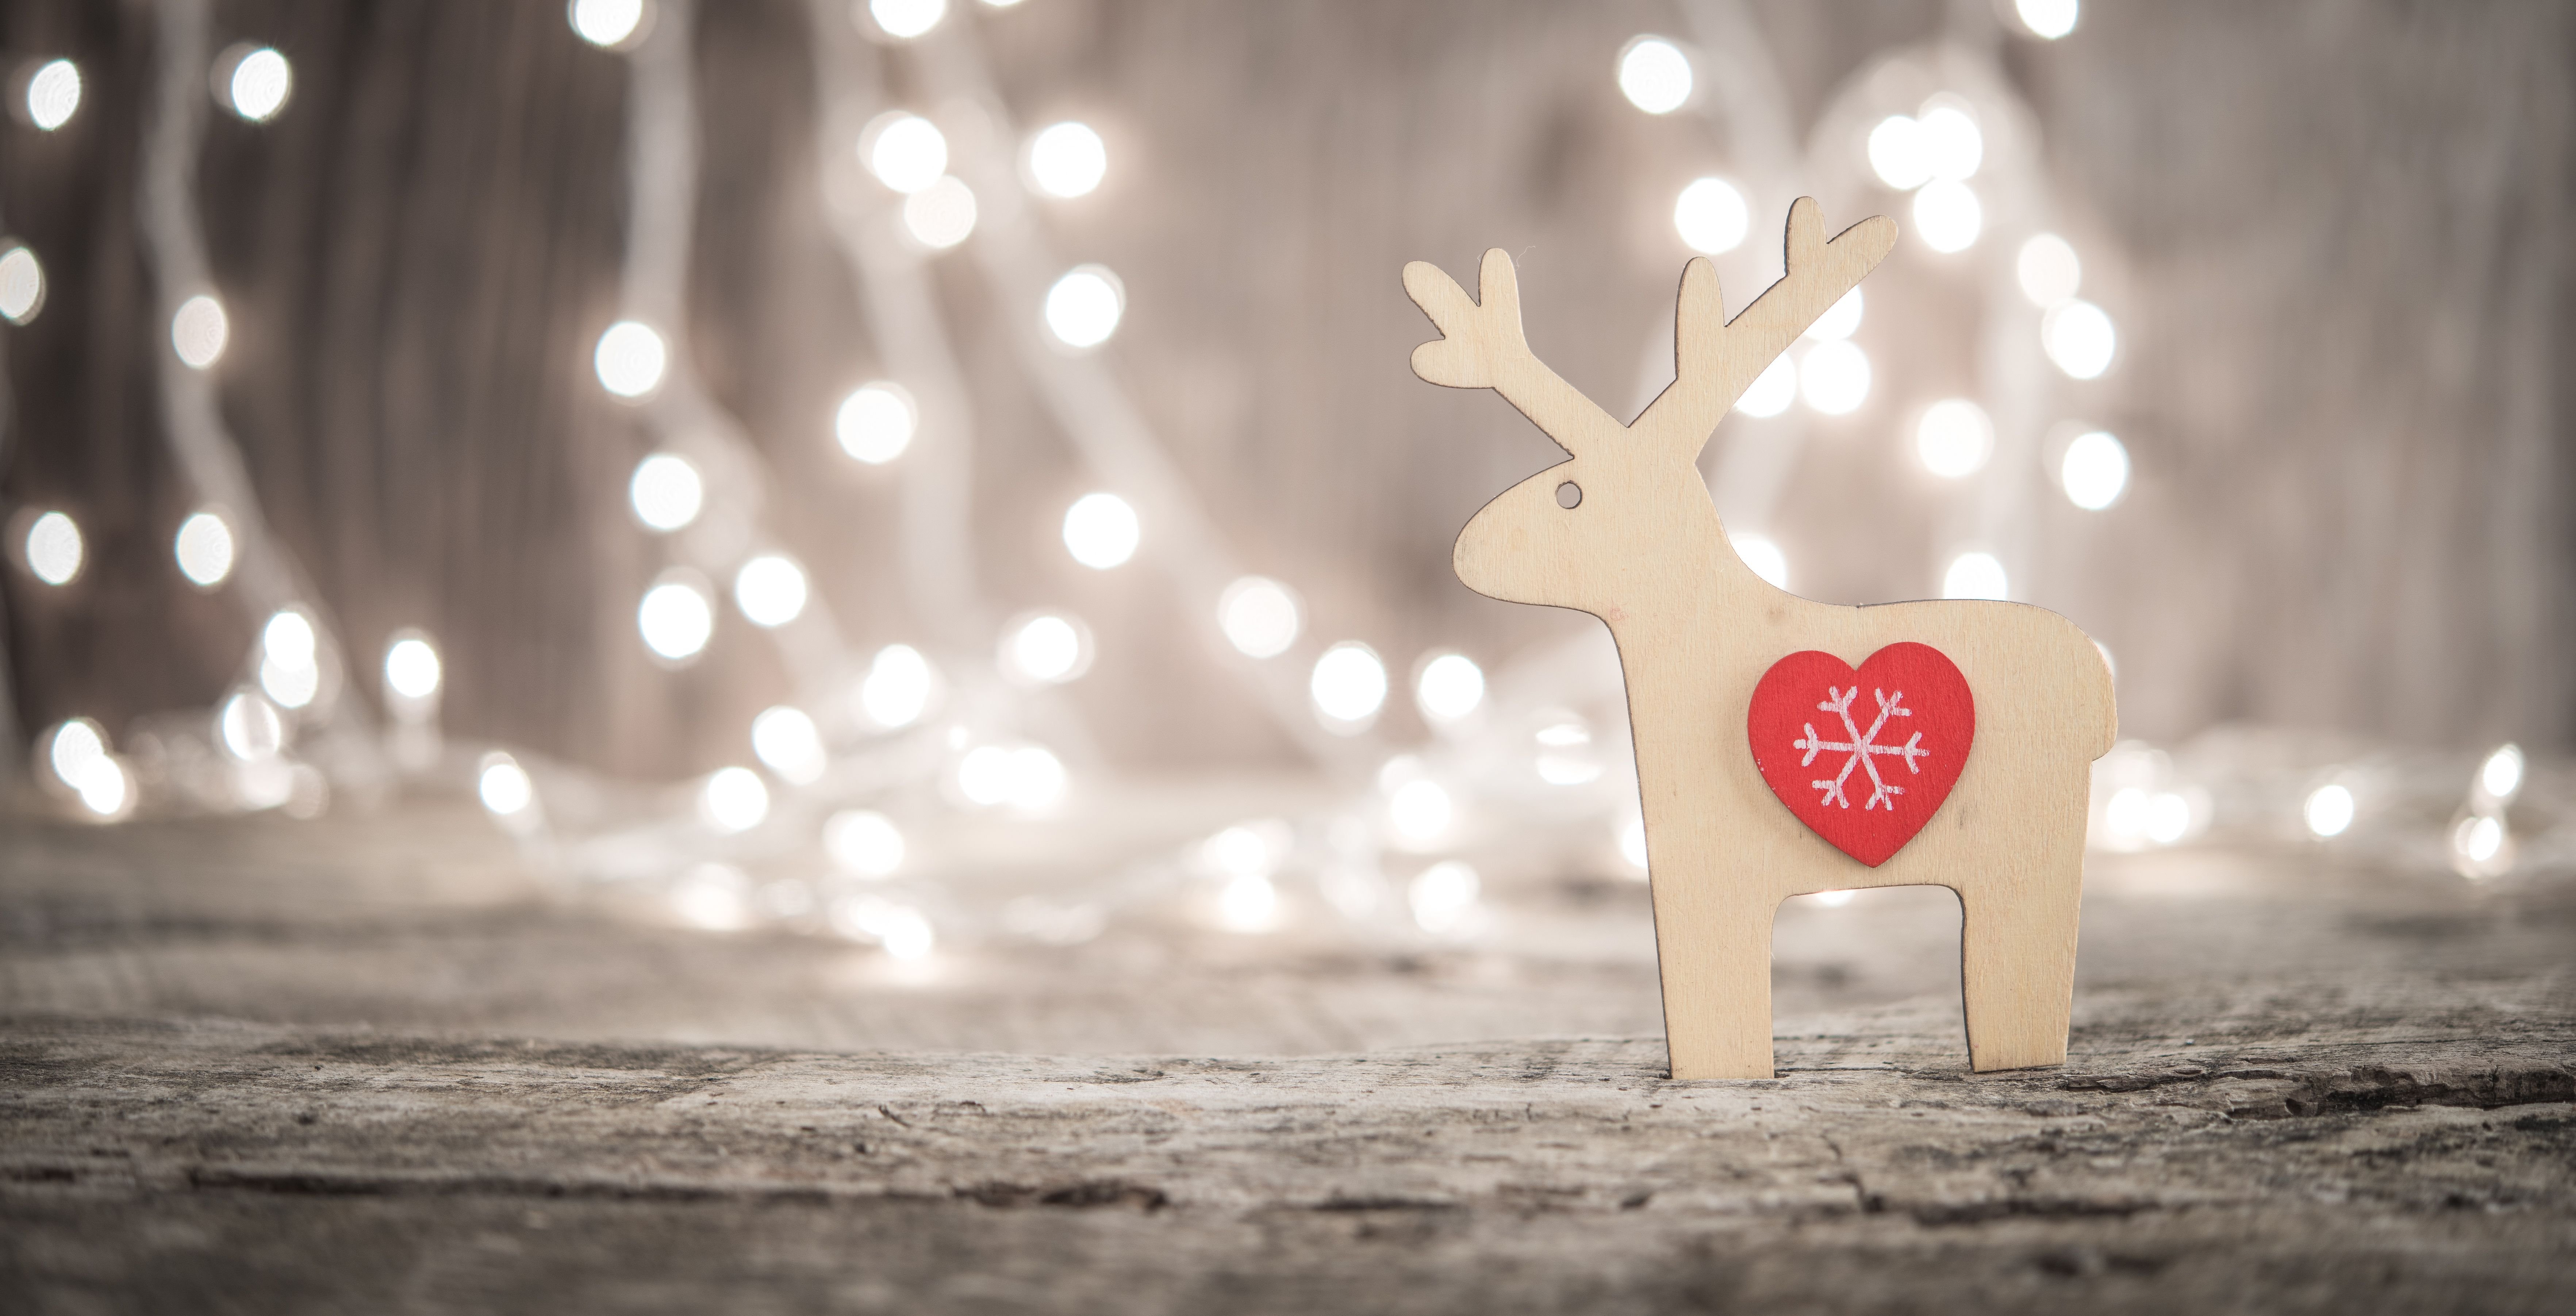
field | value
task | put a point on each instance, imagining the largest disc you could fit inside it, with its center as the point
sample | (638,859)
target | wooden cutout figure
(1930,743)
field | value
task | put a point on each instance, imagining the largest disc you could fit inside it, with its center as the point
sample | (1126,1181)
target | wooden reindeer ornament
(1786,746)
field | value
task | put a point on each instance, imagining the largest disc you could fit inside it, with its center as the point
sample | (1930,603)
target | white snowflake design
(1863,749)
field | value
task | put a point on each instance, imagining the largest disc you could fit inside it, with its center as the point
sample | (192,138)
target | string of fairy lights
(844,816)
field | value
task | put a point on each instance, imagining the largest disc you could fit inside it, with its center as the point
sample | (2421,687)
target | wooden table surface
(377,1064)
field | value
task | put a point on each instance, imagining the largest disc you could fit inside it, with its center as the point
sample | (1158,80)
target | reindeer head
(1592,532)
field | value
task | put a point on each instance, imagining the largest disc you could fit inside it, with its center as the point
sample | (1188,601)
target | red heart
(1864,758)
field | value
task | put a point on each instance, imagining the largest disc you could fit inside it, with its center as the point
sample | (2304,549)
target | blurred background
(401,393)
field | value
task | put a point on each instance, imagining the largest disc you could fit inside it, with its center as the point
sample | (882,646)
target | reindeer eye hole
(1569,495)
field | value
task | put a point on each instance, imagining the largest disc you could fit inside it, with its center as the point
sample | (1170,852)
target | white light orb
(607,24)
(1348,686)
(1247,903)
(504,786)
(22,285)
(74,747)
(2124,818)
(1249,849)
(2048,270)
(1975,575)
(733,800)
(905,151)
(770,589)
(1565,755)
(290,664)
(106,789)
(1632,843)
(1420,810)
(55,550)
(898,687)
(1654,75)
(907,935)
(666,492)
(676,618)
(2079,338)
(2168,817)
(1046,648)
(1067,159)
(2477,842)
(199,330)
(787,741)
(204,549)
(1772,391)
(984,775)
(2500,776)
(250,728)
(1450,688)
(1101,530)
(2095,471)
(1084,307)
(1712,216)
(1260,616)
(412,669)
(2048,19)
(1952,145)
(2329,810)
(1763,554)
(53,94)
(1898,154)
(906,19)
(1954,438)
(260,83)
(1947,215)
(864,843)
(1834,377)
(715,897)
(1443,896)
(1034,779)
(630,359)
(941,215)
(1840,320)
(875,423)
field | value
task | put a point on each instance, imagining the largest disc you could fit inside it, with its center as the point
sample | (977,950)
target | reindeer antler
(1482,346)
(1715,359)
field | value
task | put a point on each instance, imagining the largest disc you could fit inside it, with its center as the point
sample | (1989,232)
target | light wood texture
(1696,628)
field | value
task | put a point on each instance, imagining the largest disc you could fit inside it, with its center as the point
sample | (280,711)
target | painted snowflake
(1862,749)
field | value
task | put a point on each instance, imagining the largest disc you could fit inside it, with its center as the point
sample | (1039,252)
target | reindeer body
(1642,549)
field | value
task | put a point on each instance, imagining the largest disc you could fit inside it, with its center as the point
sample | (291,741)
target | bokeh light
(1443,897)
(2095,470)
(290,658)
(770,589)
(2048,270)
(1067,159)
(1084,307)
(53,94)
(1101,530)
(1898,154)
(1975,575)
(1450,688)
(1764,555)
(412,669)
(55,549)
(2048,19)
(676,617)
(1840,320)
(22,284)
(1953,438)
(875,423)
(898,688)
(2329,810)
(905,151)
(199,330)
(1655,75)
(1712,216)
(1260,616)
(1046,648)
(733,800)
(941,215)
(666,491)
(1772,391)
(1953,147)
(2078,336)
(1948,216)
(204,548)
(906,19)
(788,743)
(864,843)
(1348,687)
(608,24)
(1834,377)
(259,85)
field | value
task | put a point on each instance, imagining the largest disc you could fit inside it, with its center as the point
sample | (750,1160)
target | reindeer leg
(1713,942)
(2017,939)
